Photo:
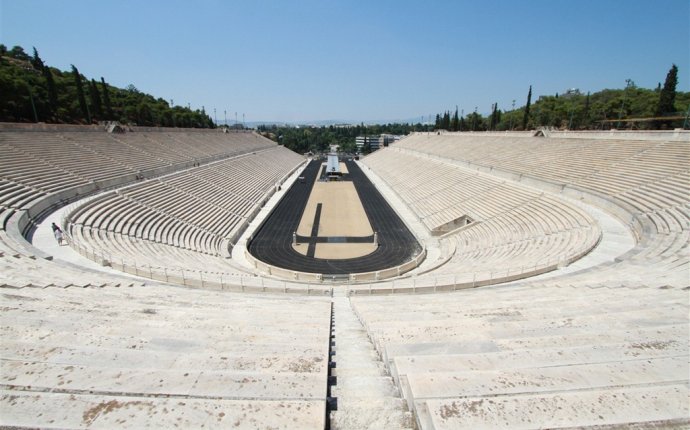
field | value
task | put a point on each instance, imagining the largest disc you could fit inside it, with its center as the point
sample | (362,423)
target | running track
(272,243)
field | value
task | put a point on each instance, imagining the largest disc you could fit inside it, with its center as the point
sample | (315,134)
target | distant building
(572,92)
(387,139)
(375,142)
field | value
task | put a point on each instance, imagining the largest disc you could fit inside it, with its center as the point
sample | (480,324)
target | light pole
(512,114)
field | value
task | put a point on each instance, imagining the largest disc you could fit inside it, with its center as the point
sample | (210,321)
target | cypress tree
(36,61)
(52,89)
(525,118)
(455,121)
(667,96)
(585,114)
(80,95)
(493,121)
(31,99)
(96,100)
(106,99)
(491,117)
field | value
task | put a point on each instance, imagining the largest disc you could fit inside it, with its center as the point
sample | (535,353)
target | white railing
(195,278)
(455,281)
(350,278)
(314,284)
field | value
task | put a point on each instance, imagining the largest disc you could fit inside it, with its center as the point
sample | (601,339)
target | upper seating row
(50,161)
(610,167)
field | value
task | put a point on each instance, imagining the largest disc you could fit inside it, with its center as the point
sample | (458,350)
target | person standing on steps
(57,232)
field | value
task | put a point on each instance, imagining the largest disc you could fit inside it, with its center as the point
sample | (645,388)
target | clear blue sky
(356,60)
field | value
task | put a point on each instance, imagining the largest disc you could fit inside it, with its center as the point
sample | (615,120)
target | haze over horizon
(355,61)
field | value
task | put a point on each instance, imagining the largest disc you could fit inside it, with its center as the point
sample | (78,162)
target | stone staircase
(367,397)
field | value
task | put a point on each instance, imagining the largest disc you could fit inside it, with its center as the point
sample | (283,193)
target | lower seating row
(550,355)
(122,357)
(17,271)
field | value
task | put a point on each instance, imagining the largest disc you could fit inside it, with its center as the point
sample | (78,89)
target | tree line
(573,110)
(31,91)
(315,139)
(659,108)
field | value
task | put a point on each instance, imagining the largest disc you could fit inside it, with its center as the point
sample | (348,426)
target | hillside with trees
(31,91)
(630,107)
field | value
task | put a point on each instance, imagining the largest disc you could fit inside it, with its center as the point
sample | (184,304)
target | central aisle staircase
(367,397)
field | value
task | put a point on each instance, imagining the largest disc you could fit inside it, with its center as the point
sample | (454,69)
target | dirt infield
(342,213)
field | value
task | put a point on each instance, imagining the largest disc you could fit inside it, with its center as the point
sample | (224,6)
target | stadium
(449,280)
